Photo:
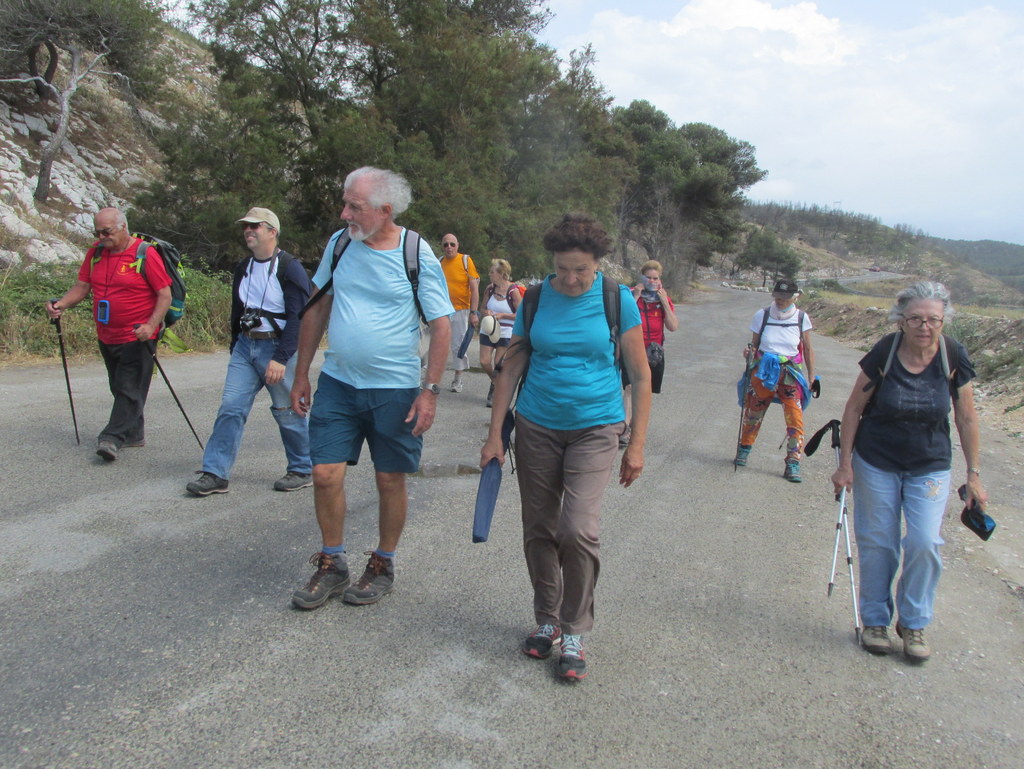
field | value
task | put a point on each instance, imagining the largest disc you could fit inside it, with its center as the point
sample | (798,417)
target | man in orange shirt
(131,292)
(464,291)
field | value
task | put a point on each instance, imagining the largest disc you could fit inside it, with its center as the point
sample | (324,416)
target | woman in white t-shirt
(500,299)
(780,365)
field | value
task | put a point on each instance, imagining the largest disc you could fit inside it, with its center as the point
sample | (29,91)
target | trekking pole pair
(842,522)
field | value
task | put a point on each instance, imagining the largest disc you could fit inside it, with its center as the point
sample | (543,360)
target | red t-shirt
(119,279)
(652,317)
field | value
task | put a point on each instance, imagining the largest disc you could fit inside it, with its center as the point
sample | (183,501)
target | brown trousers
(562,478)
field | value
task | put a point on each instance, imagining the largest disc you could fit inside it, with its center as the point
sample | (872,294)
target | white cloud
(917,125)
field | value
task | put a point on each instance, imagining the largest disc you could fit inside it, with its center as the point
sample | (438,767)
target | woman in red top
(657,313)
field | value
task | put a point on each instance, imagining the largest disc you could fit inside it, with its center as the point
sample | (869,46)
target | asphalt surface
(145,628)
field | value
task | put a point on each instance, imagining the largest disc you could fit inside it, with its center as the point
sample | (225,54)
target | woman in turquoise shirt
(569,416)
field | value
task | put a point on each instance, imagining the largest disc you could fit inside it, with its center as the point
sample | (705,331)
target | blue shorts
(343,416)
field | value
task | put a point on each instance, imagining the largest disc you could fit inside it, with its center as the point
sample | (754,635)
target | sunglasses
(449,245)
(106,232)
(251,225)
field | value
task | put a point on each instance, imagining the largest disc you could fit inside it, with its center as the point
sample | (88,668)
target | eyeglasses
(106,232)
(251,225)
(916,321)
(449,245)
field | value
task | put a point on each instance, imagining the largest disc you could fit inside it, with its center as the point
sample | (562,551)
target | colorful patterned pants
(759,398)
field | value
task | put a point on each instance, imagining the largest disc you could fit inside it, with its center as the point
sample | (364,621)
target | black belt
(260,334)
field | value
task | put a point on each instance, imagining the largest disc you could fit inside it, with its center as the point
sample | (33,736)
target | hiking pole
(842,523)
(181,408)
(745,381)
(67,378)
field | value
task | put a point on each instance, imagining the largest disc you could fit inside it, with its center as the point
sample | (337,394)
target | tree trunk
(51,67)
(75,76)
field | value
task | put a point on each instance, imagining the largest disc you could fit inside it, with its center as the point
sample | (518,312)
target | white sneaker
(457,385)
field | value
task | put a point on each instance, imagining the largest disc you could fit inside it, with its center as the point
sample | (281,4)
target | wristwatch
(434,388)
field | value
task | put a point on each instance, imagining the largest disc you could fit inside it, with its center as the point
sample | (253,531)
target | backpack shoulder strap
(465,263)
(529,308)
(612,298)
(764,319)
(411,252)
(876,381)
(339,248)
(949,352)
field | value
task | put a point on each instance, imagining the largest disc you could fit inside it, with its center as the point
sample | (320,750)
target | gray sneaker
(377,581)
(107,450)
(207,484)
(330,578)
(293,481)
(875,639)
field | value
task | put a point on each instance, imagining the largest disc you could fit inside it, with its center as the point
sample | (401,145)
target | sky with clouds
(911,111)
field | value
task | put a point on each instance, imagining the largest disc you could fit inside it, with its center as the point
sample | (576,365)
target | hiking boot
(207,484)
(792,471)
(875,639)
(377,581)
(742,452)
(293,481)
(330,578)
(572,664)
(107,450)
(541,641)
(457,385)
(914,645)
(490,396)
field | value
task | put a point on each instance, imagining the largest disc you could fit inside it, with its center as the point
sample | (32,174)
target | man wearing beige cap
(269,289)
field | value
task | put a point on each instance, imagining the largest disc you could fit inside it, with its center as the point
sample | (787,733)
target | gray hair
(386,188)
(926,289)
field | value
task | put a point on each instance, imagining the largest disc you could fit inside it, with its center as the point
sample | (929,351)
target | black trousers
(129,372)
(657,375)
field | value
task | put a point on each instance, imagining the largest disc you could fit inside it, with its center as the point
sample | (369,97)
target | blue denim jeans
(880,498)
(244,379)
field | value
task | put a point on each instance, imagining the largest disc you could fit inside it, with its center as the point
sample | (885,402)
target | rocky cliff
(109,155)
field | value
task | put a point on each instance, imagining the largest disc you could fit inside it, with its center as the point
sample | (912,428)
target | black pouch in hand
(975,518)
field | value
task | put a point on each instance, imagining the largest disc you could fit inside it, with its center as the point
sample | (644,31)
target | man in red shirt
(130,298)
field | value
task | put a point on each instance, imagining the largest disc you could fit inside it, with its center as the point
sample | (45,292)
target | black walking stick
(842,521)
(181,408)
(67,379)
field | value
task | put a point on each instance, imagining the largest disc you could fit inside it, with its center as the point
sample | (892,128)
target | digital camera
(250,319)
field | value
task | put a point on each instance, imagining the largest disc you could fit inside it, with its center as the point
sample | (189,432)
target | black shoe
(107,450)
(377,581)
(207,484)
(330,578)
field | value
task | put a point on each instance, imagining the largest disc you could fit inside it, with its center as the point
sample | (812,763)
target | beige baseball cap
(257,215)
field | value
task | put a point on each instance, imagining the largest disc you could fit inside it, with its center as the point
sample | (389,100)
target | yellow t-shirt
(458,271)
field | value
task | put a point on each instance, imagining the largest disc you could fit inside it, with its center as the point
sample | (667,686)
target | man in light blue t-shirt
(369,386)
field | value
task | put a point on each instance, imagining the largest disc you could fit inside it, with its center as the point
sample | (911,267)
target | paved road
(143,628)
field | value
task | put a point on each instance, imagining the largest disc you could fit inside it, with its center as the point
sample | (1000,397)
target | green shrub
(26,331)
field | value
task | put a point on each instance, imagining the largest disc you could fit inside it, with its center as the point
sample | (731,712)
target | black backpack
(612,309)
(949,357)
(412,268)
(172,263)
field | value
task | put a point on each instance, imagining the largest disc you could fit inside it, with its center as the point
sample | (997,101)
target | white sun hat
(490,328)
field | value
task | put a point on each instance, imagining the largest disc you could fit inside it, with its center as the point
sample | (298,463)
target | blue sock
(334,550)
(385,553)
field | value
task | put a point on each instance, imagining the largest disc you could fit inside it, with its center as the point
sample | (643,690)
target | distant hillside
(833,243)
(1002,260)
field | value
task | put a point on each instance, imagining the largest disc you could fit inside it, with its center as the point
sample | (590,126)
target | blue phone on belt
(103,311)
